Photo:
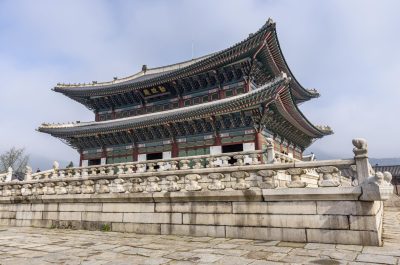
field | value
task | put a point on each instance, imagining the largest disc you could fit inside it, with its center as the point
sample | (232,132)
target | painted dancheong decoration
(228,101)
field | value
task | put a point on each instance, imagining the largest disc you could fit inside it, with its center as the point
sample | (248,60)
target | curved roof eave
(200,64)
(203,110)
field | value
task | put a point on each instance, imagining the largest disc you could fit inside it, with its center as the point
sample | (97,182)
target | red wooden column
(217,139)
(104,153)
(258,140)
(80,158)
(135,153)
(174,148)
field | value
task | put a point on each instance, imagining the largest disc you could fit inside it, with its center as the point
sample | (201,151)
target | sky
(347,50)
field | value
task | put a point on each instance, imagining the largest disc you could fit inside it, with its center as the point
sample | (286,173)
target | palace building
(228,101)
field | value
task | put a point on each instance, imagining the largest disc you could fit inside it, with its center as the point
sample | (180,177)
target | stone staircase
(391,221)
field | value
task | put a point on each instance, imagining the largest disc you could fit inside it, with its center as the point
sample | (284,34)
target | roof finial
(144,68)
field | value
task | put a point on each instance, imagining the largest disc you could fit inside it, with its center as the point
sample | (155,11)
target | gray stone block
(348,207)
(153,218)
(8,215)
(46,207)
(347,237)
(152,229)
(310,194)
(51,215)
(266,233)
(289,221)
(28,215)
(70,216)
(218,196)
(102,217)
(193,230)
(128,207)
(195,207)
(80,207)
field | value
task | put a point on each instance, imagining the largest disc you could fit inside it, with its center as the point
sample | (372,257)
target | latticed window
(229,93)
(218,125)
(248,121)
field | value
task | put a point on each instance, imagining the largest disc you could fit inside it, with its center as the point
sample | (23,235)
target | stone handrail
(209,161)
(282,158)
(234,171)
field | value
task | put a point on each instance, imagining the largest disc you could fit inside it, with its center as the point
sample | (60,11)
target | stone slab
(153,218)
(195,207)
(348,207)
(310,194)
(102,217)
(218,196)
(348,237)
(266,233)
(193,230)
(80,207)
(150,229)
(120,207)
(291,221)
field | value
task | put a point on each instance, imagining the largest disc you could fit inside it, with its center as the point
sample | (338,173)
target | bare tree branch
(15,158)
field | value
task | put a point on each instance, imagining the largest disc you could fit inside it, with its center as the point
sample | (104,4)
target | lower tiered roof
(270,106)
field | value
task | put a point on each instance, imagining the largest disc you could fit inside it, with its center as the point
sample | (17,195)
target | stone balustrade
(231,171)
(237,195)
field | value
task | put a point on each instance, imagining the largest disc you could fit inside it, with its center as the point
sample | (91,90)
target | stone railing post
(26,190)
(49,188)
(61,187)
(74,187)
(240,177)
(28,173)
(268,179)
(363,168)
(16,190)
(239,160)
(88,186)
(102,186)
(193,185)
(255,159)
(129,169)
(152,184)
(173,185)
(225,161)
(197,163)
(150,167)
(270,151)
(328,176)
(118,185)
(174,165)
(9,174)
(110,171)
(295,176)
(136,187)
(216,181)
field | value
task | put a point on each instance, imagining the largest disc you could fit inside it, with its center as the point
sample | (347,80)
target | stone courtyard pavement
(22,245)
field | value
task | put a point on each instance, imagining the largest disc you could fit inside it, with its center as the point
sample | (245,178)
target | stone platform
(23,245)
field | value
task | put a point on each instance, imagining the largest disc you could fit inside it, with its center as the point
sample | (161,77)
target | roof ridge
(161,69)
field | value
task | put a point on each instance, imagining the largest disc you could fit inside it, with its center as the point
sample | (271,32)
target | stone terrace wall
(234,195)
(327,215)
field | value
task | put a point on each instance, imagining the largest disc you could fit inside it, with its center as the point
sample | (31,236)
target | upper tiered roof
(259,55)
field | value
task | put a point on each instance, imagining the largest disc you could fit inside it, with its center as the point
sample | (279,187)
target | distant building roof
(395,169)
